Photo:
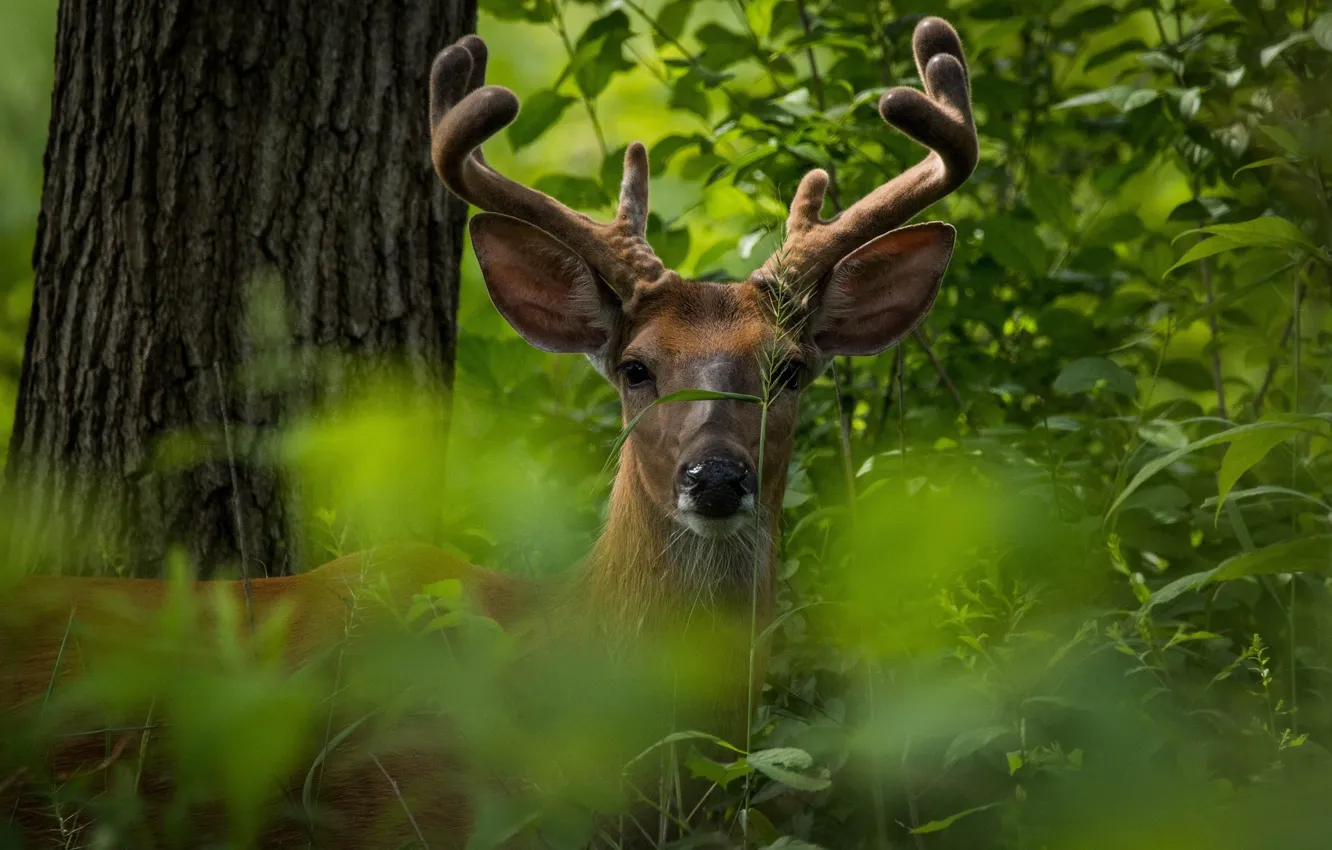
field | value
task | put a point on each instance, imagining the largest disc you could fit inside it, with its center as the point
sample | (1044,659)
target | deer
(696,499)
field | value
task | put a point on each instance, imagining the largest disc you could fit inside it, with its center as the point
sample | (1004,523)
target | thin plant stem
(1052,465)
(889,388)
(1296,452)
(675,42)
(1271,369)
(60,656)
(753,601)
(844,430)
(235,496)
(587,101)
(1209,292)
(1134,441)
(401,801)
(816,80)
(876,781)
(920,337)
(1218,379)
(901,411)
(913,810)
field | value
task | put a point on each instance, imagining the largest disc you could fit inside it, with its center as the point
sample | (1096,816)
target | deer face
(698,460)
(851,285)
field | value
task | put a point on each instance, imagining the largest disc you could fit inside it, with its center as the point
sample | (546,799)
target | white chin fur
(705,526)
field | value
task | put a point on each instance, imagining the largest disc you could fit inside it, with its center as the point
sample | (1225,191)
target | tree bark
(196,148)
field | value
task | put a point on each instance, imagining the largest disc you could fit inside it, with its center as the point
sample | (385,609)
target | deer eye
(788,374)
(635,373)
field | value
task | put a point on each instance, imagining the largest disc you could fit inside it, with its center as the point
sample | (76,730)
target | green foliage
(1065,582)
(1111,435)
(27,41)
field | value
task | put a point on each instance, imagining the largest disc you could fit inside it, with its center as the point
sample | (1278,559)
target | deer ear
(879,292)
(541,287)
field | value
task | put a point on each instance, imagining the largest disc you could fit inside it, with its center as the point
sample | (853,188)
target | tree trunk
(196,148)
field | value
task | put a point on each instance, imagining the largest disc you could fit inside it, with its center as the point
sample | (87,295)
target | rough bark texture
(194,147)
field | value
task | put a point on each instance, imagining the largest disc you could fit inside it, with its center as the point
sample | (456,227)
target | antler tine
(464,113)
(939,118)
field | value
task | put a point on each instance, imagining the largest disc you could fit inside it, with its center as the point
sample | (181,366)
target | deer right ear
(881,290)
(541,287)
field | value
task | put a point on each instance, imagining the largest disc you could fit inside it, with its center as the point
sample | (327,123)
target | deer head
(854,284)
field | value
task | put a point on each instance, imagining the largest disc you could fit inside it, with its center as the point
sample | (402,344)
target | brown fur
(56,628)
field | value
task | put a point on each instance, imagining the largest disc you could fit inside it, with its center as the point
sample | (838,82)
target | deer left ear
(879,292)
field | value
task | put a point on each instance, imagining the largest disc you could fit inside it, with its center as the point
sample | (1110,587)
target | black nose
(715,486)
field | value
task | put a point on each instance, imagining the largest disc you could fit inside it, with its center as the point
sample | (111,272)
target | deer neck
(647,572)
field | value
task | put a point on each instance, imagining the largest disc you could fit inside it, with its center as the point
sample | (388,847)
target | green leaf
(1189,101)
(1015,762)
(1284,139)
(1315,424)
(1052,202)
(786,615)
(971,741)
(722,48)
(786,842)
(757,828)
(666,148)
(1118,51)
(1225,299)
(450,620)
(670,244)
(1015,245)
(671,20)
(1311,553)
(1243,453)
(1265,230)
(539,112)
(1097,17)
(1166,500)
(1322,30)
(714,771)
(307,788)
(677,737)
(941,825)
(1190,374)
(1268,490)
(531,11)
(1205,248)
(759,15)
(612,171)
(1177,587)
(1165,433)
(1271,52)
(577,192)
(599,53)
(1199,210)
(688,94)
(1112,230)
(791,758)
(1137,98)
(1123,98)
(1093,98)
(781,765)
(1263,163)
(1087,373)
(448,590)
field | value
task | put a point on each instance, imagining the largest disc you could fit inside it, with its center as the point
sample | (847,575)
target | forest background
(1075,532)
